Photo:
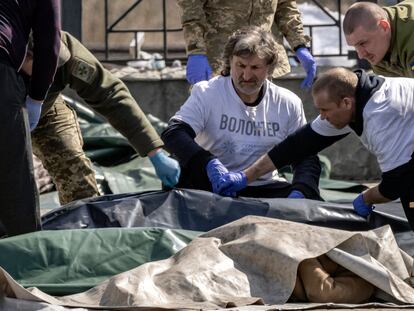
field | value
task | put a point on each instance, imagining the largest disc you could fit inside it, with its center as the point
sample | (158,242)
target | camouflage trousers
(57,142)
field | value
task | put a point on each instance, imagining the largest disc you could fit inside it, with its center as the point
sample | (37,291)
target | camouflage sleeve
(288,20)
(386,71)
(193,20)
(109,96)
(381,71)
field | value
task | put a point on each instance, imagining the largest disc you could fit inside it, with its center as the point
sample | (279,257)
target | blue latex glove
(167,169)
(198,68)
(296,194)
(215,171)
(231,183)
(308,63)
(361,208)
(34,109)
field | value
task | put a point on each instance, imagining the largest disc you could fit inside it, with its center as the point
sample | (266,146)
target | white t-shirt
(238,134)
(388,123)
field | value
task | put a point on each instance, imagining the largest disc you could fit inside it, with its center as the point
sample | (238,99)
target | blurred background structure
(147,36)
(109,26)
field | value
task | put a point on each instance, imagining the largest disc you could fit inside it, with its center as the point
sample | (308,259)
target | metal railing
(336,22)
(109,29)
(112,29)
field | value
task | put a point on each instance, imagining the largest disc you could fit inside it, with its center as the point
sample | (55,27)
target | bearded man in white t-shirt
(228,122)
(379,110)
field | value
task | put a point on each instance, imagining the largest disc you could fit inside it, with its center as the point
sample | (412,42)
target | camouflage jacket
(103,92)
(208,23)
(399,62)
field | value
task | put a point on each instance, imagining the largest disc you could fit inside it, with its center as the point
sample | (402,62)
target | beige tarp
(249,261)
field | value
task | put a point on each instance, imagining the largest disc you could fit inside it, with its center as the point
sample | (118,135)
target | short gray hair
(249,41)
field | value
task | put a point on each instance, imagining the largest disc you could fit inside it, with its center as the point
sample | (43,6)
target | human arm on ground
(325,281)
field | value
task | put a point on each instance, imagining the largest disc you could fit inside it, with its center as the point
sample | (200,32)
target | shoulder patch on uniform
(83,71)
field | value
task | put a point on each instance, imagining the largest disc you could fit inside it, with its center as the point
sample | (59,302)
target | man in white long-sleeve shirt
(229,121)
(379,110)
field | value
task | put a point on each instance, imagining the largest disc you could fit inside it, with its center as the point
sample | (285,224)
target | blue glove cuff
(198,68)
(198,56)
(215,171)
(244,179)
(212,163)
(296,194)
(157,157)
(167,169)
(361,208)
(302,50)
(307,61)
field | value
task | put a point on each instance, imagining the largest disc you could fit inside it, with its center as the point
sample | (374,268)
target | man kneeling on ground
(228,122)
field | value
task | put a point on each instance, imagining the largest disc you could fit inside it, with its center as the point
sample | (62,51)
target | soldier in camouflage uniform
(57,139)
(383,36)
(208,23)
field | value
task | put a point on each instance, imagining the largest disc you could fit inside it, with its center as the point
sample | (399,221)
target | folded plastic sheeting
(202,211)
(70,261)
(103,144)
(138,174)
(29,305)
(250,261)
(118,169)
(7,304)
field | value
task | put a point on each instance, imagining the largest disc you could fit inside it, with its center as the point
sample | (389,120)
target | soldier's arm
(193,20)
(288,20)
(109,96)
(385,71)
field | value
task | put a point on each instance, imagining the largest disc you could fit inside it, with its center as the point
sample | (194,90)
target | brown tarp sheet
(249,261)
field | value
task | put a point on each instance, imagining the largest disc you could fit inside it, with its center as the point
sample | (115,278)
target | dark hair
(249,41)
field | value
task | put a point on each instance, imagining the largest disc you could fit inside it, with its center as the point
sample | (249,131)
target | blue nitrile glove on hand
(296,194)
(215,170)
(34,109)
(198,68)
(308,63)
(167,169)
(231,183)
(361,208)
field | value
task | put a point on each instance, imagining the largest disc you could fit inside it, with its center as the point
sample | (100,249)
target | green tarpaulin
(70,261)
